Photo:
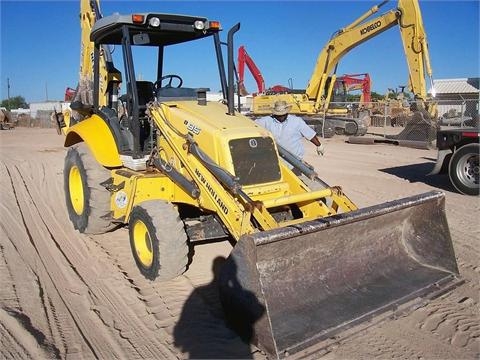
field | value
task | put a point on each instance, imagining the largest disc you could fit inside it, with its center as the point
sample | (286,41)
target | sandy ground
(68,295)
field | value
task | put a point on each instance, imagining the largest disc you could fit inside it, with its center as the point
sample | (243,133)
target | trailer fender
(99,139)
(442,155)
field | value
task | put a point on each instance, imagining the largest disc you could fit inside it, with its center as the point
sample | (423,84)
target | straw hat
(281,108)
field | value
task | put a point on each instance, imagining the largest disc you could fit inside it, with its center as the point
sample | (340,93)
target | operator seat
(146,93)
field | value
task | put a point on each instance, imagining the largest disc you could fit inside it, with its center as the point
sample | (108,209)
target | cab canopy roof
(162,29)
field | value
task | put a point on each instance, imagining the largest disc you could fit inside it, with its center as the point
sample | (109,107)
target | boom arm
(89,14)
(244,58)
(407,16)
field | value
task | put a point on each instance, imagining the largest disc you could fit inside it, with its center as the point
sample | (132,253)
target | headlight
(199,25)
(154,22)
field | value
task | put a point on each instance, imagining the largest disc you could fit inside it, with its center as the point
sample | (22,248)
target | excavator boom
(407,16)
(245,59)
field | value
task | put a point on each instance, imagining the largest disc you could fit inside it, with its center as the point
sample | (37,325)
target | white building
(245,101)
(461,95)
(46,106)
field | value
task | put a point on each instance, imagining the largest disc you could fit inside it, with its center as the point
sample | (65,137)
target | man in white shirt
(289,130)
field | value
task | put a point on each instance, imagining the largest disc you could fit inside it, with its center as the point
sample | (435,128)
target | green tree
(16,102)
(376,96)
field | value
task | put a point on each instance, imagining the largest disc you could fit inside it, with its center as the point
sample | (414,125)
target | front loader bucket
(288,288)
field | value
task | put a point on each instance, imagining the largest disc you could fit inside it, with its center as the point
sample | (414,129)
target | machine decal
(121,199)
(192,127)
(371,27)
(212,192)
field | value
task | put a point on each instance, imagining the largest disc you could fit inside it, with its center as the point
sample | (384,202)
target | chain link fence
(392,119)
(462,113)
(404,121)
(42,120)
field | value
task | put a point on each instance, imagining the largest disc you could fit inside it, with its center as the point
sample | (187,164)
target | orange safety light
(138,18)
(214,25)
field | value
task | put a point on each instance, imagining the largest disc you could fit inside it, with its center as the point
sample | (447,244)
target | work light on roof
(199,25)
(154,22)
(137,18)
(214,25)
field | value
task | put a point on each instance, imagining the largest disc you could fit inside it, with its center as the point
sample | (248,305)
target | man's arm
(315,141)
(320,147)
(311,135)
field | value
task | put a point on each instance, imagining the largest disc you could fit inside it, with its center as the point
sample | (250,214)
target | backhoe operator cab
(132,132)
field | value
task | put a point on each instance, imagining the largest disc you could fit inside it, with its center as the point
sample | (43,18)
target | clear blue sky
(40,41)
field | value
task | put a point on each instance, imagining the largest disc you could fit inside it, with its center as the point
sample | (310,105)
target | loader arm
(222,193)
(407,16)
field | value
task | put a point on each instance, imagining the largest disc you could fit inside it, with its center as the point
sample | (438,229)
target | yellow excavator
(317,98)
(176,169)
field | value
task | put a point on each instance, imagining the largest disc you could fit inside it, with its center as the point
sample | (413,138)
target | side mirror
(141,39)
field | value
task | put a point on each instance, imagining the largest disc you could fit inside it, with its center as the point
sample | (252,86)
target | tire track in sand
(178,308)
(454,319)
(50,251)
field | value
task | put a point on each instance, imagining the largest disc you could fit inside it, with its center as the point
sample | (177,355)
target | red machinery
(69,94)
(351,82)
(345,83)
(245,59)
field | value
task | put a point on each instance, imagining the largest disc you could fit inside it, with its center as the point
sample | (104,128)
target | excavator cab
(179,169)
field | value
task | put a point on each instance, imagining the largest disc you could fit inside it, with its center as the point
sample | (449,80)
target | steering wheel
(158,83)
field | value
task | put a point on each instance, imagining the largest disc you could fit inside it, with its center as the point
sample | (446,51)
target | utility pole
(46,91)
(8,93)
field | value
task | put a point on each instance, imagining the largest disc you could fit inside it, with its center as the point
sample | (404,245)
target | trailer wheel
(88,202)
(158,240)
(463,169)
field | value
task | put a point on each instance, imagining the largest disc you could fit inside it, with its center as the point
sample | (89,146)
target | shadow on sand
(202,329)
(419,173)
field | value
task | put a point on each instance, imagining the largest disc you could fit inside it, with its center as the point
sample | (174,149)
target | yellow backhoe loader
(316,101)
(176,168)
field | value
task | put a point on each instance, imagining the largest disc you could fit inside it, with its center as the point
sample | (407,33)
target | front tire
(88,202)
(463,169)
(158,240)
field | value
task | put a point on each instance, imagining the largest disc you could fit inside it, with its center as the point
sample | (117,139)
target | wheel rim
(468,170)
(143,244)
(75,186)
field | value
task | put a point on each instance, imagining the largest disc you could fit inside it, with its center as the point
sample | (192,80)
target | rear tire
(463,169)
(158,240)
(88,202)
